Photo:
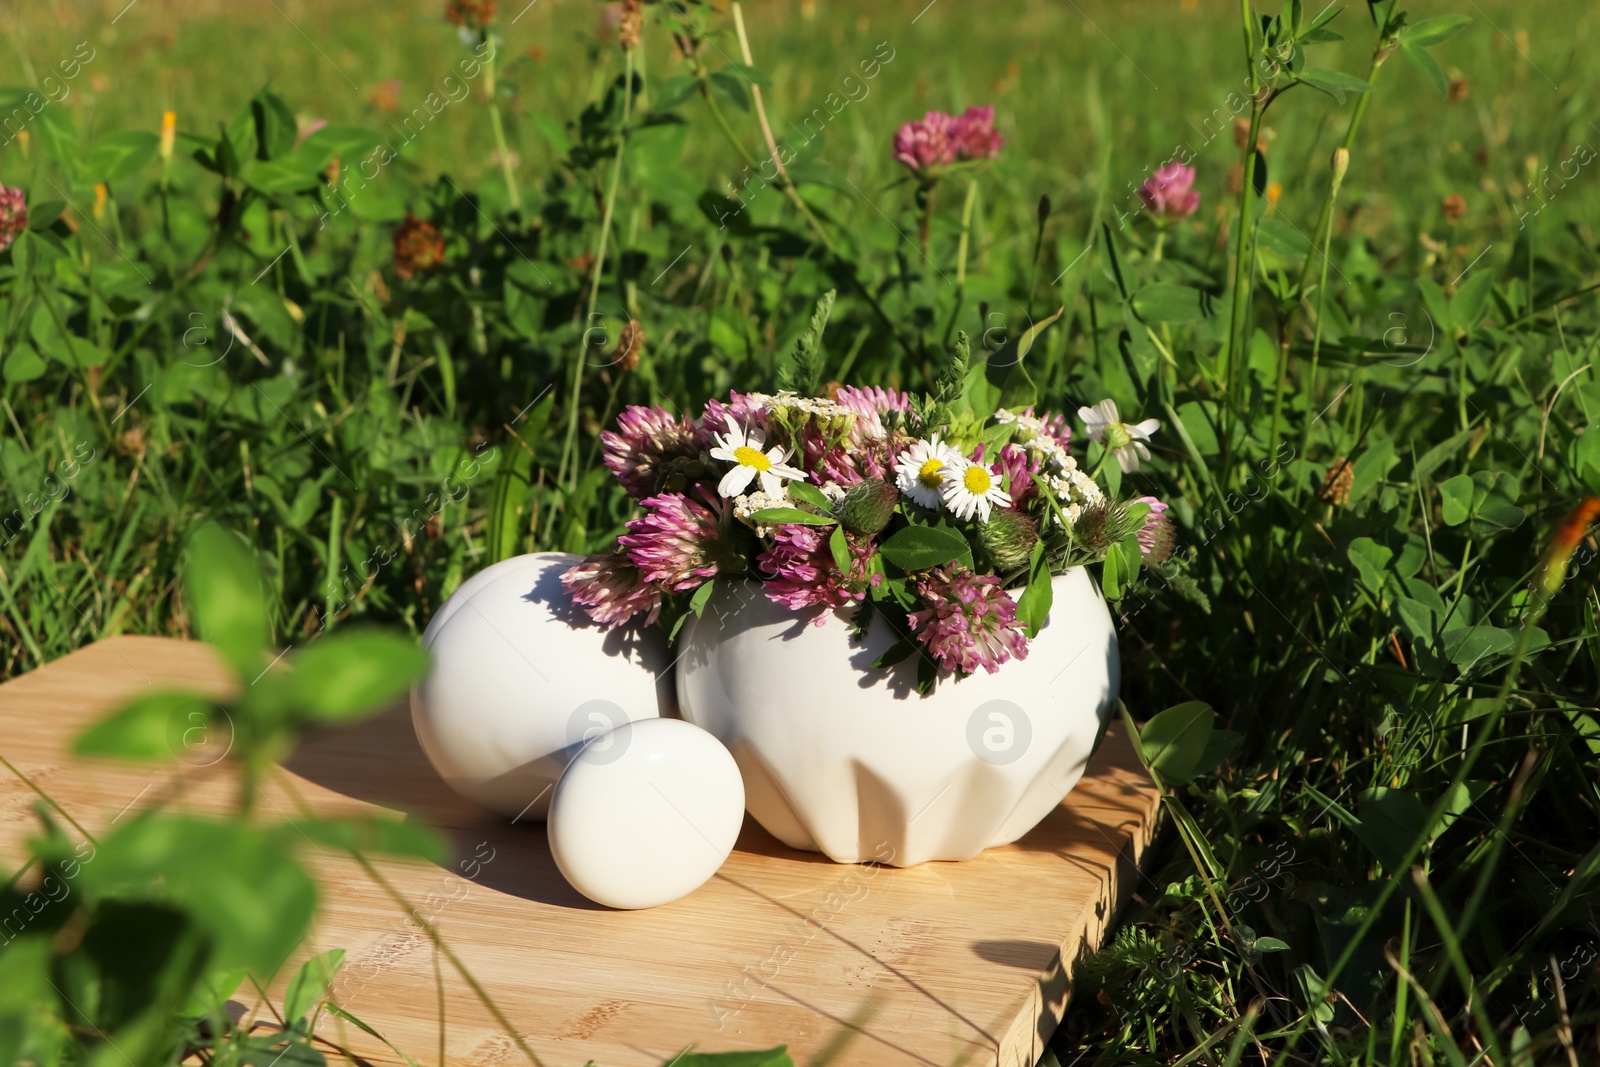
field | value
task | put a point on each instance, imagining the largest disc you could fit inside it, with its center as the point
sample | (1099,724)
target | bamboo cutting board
(943,964)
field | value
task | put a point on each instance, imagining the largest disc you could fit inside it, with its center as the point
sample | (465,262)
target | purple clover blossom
(608,588)
(748,410)
(975,135)
(938,139)
(674,544)
(1170,192)
(1017,466)
(969,623)
(645,439)
(804,574)
(13,215)
(1157,535)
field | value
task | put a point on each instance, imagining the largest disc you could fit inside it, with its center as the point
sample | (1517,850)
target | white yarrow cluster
(1074,490)
(808,405)
(749,503)
(1031,428)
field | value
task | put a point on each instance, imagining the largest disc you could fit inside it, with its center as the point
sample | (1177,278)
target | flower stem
(1316,340)
(568,448)
(927,216)
(1325,220)
(1243,274)
(966,229)
(512,190)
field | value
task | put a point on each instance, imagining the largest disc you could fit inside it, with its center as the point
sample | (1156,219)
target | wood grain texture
(942,964)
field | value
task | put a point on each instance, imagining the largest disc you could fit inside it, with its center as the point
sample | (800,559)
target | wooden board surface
(942,964)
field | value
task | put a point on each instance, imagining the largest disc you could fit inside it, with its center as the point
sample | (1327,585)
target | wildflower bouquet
(917,510)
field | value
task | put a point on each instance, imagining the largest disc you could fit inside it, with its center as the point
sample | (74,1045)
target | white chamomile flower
(1126,442)
(742,448)
(919,472)
(973,489)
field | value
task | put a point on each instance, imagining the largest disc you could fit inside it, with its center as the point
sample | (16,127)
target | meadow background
(1396,862)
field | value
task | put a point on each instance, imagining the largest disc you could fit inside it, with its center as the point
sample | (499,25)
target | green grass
(1415,787)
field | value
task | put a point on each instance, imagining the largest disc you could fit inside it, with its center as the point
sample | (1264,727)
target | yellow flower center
(977,480)
(752,457)
(930,473)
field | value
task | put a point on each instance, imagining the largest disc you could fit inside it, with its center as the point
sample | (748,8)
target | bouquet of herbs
(924,510)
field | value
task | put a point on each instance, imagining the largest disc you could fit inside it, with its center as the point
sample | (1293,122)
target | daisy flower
(1125,442)
(919,472)
(973,489)
(743,449)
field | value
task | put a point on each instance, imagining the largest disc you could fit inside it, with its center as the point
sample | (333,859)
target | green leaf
(1370,468)
(1269,944)
(1200,426)
(59,140)
(1336,83)
(790,516)
(1434,458)
(43,215)
(807,493)
(345,1014)
(348,675)
(370,834)
(1167,302)
(802,370)
(242,882)
(772,1057)
(896,652)
(1419,57)
(1436,30)
(1219,746)
(731,88)
(23,364)
(223,588)
(749,74)
(702,597)
(345,142)
(1457,493)
(1471,300)
(839,548)
(920,548)
(508,499)
(1467,645)
(1389,820)
(1175,741)
(120,155)
(1033,606)
(149,727)
(1111,574)
(309,984)
(1278,235)
(1417,618)
(211,994)
(1371,559)
(275,125)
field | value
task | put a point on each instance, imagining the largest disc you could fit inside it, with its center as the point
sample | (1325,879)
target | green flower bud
(1008,537)
(868,506)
